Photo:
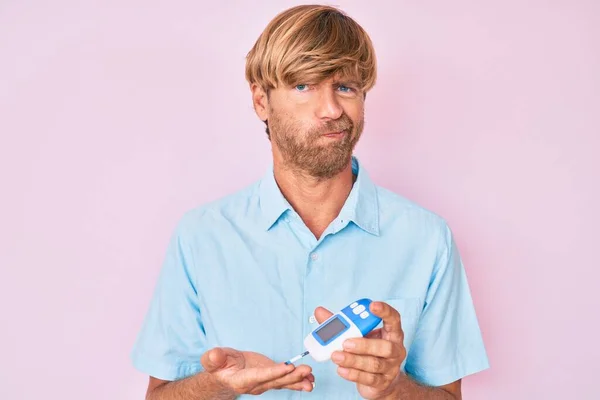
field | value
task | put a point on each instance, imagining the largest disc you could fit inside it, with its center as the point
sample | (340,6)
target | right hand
(247,372)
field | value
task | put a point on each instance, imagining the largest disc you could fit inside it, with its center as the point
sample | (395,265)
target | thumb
(214,359)
(321,314)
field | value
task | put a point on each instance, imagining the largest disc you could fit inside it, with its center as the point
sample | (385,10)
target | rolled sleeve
(172,339)
(448,344)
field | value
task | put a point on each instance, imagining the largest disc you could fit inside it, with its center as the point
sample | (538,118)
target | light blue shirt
(245,272)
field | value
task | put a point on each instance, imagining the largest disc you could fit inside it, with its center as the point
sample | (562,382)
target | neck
(318,201)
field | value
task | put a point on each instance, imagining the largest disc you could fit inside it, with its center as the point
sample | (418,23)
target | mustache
(341,124)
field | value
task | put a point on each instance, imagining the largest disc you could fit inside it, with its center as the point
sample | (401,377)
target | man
(245,276)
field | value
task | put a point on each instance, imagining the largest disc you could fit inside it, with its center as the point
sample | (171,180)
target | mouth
(335,135)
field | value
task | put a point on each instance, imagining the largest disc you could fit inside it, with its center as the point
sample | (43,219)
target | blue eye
(345,89)
(301,88)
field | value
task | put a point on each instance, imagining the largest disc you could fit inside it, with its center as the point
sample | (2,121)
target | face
(314,128)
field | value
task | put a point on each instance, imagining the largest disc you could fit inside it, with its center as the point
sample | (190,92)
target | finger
(296,376)
(305,385)
(392,326)
(363,378)
(213,359)
(310,377)
(376,365)
(374,334)
(373,347)
(322,314)
(264,375)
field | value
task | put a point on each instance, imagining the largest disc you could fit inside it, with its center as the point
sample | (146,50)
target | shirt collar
(271,200)
(361,206)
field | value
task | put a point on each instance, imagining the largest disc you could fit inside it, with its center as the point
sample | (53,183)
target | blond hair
(309,43)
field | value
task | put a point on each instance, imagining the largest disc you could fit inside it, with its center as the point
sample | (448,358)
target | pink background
(115,119)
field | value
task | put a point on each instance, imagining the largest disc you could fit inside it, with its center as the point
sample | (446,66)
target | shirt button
(314,256)
(312,319)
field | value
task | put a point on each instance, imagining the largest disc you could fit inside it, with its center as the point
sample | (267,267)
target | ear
(260,101)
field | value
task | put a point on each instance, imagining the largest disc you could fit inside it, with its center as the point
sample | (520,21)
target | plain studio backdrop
(118,116)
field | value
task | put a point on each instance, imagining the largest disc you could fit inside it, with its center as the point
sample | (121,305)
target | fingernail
(376,306)
(343,371)
(337,357)
(349,344)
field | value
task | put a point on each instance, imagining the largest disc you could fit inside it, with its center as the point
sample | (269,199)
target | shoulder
(415,226)
(400,208)
(400,217)
(242,202)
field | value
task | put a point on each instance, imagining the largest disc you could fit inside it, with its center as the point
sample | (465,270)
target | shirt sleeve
(448,344)
(172,340)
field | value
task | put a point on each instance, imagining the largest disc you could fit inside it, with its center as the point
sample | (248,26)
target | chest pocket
(410,311)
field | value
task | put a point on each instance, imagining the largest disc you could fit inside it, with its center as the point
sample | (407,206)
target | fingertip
(306,369)
(376,306)
(348,344)
(280,370)
(213,357)
(307,385)
(322,314)
(288,367)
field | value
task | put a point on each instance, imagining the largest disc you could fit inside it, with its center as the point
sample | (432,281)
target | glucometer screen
(331,329)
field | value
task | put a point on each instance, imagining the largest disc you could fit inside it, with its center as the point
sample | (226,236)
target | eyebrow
(349,82)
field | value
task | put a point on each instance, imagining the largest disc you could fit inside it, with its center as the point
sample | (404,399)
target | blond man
(245,276)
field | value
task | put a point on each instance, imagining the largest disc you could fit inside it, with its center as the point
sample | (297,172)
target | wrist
(224,390)
(394,391)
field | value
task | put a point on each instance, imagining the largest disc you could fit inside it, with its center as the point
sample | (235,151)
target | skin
(313,171)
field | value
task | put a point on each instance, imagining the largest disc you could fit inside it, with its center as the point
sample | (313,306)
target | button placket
(313,287)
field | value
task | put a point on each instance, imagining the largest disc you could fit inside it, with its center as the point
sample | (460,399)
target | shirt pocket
(410,310)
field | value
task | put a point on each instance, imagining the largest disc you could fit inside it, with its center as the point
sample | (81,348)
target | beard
(308,151)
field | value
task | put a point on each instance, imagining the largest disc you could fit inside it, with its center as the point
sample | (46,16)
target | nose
(328,105)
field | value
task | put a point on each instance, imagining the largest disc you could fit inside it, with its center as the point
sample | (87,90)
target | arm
(202,386)
(410,389)
(229,373)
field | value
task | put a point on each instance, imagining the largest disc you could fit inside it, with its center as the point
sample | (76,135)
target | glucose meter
(354,320)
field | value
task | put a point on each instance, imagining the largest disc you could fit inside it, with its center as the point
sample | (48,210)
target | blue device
(354,320)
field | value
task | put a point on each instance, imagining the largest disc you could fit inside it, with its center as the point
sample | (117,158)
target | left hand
(374,362)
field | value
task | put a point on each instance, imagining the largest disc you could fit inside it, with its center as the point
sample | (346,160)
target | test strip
(293,360)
